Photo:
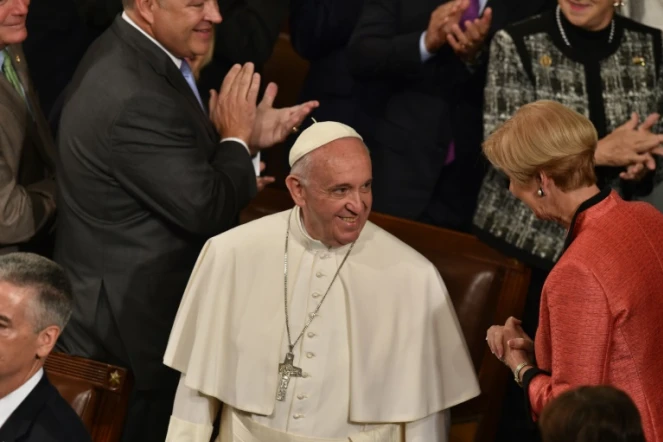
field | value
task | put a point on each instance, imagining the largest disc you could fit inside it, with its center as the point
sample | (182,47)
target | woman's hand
(629,145)
(510,344)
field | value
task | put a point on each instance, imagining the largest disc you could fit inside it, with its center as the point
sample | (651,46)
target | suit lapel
(37,126)
(164,66)
(22,419)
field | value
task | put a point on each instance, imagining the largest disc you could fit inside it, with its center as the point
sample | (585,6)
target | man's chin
(15,37)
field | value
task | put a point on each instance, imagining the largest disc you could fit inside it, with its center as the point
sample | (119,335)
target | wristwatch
(519,368)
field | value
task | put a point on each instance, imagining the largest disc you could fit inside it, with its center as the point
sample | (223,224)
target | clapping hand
(233,109)
(440,20)
(466,44)
(631,145)
(272,126)
(510,344)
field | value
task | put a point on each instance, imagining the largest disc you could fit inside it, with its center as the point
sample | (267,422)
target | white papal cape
(408,357)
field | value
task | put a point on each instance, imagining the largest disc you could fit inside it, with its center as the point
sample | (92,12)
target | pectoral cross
(286,371)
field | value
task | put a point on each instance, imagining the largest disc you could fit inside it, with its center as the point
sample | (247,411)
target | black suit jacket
(59,33)
(320,31)
(411,111)
(44,416)
(248,32)
(144,183)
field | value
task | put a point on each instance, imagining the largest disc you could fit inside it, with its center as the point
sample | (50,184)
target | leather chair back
(98,392)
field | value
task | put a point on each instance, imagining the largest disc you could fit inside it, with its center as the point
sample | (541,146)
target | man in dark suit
(145,182)
(27,167)
(35,304)
(421,102)
(320,32)
(248,33)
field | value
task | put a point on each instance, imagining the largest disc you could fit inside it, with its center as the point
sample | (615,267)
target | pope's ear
(296,188)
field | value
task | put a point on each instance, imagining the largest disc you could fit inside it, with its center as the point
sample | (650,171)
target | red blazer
(601,319)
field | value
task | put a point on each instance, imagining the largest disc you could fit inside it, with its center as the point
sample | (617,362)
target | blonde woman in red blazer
(602,304)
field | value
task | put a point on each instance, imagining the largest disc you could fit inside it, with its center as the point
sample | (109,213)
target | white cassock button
(319,274)
(316,295)
(301,397)
(311,315)
(310,355)
(310,334)
(305,375)
(325,255)
(298,416)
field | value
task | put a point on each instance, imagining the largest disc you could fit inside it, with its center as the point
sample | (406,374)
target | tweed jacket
(530,61)
(27,184)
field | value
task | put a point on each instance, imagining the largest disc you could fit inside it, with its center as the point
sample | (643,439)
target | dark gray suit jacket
(44,416)
(145,183)
(27,167)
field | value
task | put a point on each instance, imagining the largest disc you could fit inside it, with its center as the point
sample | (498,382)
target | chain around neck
(291,345)
(558,15)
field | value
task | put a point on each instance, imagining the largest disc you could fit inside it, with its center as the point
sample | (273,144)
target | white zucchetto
(317,135)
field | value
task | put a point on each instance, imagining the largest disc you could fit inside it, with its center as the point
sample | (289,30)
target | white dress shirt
(10,403)
(178,64)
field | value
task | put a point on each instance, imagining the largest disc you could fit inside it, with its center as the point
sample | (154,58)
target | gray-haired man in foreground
(35,305)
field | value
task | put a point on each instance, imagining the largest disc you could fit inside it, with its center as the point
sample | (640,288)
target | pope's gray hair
(302,169)
(53,299)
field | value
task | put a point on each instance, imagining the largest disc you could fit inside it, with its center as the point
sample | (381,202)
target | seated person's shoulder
(57,421)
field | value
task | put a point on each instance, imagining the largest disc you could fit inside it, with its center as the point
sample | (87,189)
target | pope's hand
(272,126)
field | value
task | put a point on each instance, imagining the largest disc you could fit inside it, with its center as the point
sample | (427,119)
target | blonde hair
(545,136)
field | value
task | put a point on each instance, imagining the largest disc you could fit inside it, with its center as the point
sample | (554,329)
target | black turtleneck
(589,48)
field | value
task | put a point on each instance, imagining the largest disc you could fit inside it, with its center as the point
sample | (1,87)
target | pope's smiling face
(336,197)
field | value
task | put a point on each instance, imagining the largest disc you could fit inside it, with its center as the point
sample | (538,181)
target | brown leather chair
(98,392)
(485,286)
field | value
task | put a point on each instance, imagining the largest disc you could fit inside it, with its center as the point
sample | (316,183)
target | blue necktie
(188,76)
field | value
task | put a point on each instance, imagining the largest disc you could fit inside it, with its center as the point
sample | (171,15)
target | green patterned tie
(11,75)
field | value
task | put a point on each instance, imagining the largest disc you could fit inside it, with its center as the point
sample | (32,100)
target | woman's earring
(540,192)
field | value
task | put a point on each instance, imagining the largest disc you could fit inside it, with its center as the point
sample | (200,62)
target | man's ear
(46,340)
(296,188)
(145,9)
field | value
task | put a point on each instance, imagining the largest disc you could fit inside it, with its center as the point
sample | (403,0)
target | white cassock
(383,360)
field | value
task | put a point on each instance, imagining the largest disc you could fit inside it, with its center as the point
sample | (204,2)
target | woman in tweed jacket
(598,63)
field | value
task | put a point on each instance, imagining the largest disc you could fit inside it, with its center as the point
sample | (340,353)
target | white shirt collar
(177,61)
(10,403)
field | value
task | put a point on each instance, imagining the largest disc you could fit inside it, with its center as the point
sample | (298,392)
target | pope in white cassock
(315,325)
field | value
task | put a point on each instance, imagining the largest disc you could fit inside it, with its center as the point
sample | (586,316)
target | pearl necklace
(566,39)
